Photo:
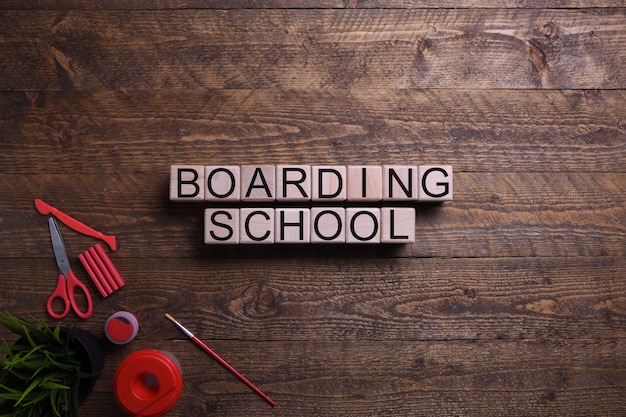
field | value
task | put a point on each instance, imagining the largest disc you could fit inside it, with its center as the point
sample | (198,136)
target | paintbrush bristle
(180,326)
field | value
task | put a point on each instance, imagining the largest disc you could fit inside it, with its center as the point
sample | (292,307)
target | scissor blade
(59,247)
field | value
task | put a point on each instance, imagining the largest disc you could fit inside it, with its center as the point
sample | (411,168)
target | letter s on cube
(221,226)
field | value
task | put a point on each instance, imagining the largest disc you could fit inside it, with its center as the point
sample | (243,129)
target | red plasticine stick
(117,280)
(72,223)
(101,270)
(93,273)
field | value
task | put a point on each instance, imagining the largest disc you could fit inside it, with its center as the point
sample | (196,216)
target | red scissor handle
(66,291)
(60,292)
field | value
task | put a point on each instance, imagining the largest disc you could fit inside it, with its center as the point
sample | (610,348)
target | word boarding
(310,183)
(323,185)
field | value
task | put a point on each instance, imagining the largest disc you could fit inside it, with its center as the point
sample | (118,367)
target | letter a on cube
(258,182)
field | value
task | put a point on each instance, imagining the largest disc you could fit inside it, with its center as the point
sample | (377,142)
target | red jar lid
(148,383)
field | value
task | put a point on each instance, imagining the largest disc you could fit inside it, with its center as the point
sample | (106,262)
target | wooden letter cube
(257,225)
(400,183)
(222,183)
(435,183)
(257,182)
(328,225)
(365,183)
(187,183)
(293,225)
(221,226)
(398,225)
(362,225)
(293,182)
(328,183)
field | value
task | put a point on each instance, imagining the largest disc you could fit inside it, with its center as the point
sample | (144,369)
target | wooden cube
(400,183)
(186,182)
(435,183)
(398,225)
(362,225)
(328,183)
(328,225)
(293,182)
(222,183)
(258,182)
(256,225)
(365,183)
(221,226)
(293,225)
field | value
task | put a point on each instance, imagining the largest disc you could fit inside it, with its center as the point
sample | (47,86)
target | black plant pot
(92,355)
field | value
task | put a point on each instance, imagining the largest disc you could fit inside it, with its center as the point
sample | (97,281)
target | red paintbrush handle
(220,360)
(233,370)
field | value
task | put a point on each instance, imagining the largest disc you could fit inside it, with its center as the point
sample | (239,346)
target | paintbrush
(220,360)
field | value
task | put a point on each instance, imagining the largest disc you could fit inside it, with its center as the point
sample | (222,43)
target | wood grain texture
(433,379)
(469,129)
(496,215)
(512,300)
(300,4)
(373,299)
(314,49)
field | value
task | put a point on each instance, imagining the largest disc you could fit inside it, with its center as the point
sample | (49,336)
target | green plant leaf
(54,403)
(53,386)
(34,384)
(40,373)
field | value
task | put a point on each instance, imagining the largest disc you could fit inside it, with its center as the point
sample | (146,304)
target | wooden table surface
(512,301)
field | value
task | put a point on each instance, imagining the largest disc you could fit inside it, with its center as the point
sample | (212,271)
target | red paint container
(121,327)
(148,383)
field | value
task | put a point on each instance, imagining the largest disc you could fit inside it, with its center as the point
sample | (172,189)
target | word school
(320,184)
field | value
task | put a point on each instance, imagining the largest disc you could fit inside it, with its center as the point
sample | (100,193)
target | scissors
(67,284)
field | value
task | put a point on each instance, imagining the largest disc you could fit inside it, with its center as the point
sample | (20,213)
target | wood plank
(549,377)
(325,49)
(512,300)
(340,377)
(492,130)
(328,299)
(299,4)
(493,214)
